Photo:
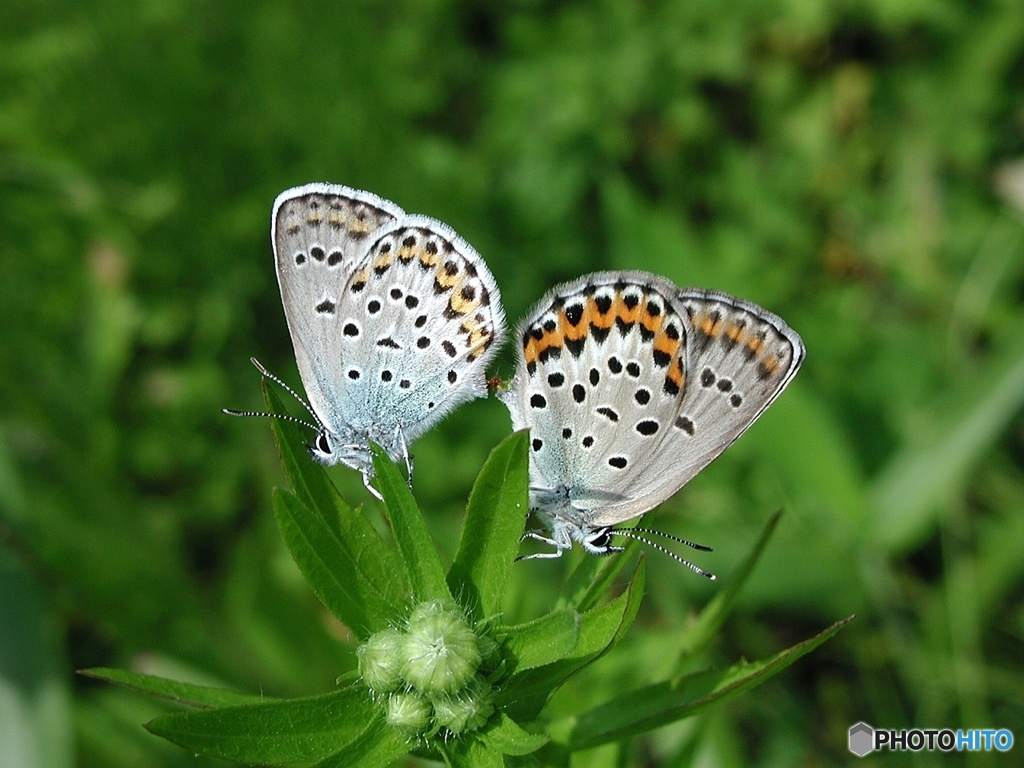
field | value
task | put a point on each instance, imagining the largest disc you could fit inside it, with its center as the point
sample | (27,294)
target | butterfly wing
(601,366)
(740,357)
(319,233)
(416,324)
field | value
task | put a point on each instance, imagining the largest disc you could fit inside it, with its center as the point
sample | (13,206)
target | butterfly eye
(601,539)
(322,444)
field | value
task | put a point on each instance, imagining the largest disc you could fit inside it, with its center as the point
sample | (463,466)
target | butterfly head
(596,541)
(330,448)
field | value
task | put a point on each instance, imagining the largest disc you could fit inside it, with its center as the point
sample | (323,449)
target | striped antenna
(690,544)
(628,533)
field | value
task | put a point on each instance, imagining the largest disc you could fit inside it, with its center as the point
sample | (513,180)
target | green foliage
(853,166)
(446,694)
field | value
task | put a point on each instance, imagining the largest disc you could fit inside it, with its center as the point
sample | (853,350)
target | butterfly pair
(628,384)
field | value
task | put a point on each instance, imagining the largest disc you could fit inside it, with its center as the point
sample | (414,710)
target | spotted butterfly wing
(605,384)
(319,232)
(419,317)
(739,358)
(587,380)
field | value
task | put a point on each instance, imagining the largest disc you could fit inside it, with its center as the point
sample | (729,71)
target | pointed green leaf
(331,570)
(378,563)
(714,614)
(377,746)
(508,738)
(591,579)
(656,705)
(183,693)
(410,532)
(276,732)
(922,477)
(495,517)
(525,693)
(543,640)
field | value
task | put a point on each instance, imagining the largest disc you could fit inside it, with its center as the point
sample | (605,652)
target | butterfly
(393,318)
(630,386)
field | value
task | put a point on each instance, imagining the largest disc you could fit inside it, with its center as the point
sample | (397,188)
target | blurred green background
(851,165)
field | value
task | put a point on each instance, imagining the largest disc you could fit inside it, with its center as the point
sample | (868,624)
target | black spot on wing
(685,424)
(647,427)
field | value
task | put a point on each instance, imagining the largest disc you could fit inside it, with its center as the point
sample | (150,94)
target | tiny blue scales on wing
(393,318)
(630,386)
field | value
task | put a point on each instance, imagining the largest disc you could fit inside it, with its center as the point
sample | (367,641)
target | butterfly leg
(542,555)
(367,477)
(559,541)
(400,438)
(537,537)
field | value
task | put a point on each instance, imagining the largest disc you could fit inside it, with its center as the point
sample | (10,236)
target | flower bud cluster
(429,675)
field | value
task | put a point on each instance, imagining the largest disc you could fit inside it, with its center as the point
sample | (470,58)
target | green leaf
(379,564)
(927,474)
(410,532)
(470,753)
(275,732)
(543,640)
(331,569)
(656,705)
(183,693)
(37,717)
(590,580)
(495,518)
(508,738)
(377,746)
(525,693)
(714,614)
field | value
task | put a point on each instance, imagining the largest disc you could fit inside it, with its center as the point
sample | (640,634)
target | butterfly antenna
(283,417)
(690,544)
(628,533)
(267,374)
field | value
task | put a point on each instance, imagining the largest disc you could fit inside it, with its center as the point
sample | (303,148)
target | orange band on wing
(735,332)
(536,347)
(567,330)
(623,312)
(709,325)
(665,345)
(593,314)
(651,322)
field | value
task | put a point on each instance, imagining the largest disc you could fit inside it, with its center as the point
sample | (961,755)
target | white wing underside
(393,316)
(646,437)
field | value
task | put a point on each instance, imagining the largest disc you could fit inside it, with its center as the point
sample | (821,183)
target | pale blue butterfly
(630,386)
(393,318)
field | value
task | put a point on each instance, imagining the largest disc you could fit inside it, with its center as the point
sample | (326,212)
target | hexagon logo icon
(861,739)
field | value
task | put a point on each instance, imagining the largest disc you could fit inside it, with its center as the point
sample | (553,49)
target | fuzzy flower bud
(380,661)
(440,650)
(408,711)
(466,711)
